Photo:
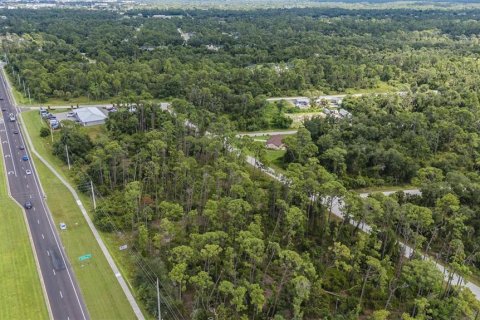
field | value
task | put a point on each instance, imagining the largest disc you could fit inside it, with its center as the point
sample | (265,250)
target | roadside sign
(85,257)
(123,247)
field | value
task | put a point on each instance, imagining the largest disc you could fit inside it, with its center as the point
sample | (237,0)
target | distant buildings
(164,16)
(302,103)
(334,101)
(337,113)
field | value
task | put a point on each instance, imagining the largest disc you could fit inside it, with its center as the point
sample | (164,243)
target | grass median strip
(21,295)
(102,293)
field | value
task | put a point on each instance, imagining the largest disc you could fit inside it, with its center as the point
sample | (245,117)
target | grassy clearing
(103,295)
(21,295)
(385,188)
(298,118)
(261,138)
(275,159)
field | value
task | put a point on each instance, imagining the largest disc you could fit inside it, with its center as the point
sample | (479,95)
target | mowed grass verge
(102,293)
(21,295)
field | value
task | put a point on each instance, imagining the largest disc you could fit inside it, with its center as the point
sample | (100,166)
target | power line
(145,267)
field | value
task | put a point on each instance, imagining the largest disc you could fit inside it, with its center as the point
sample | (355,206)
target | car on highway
(4,109)
(28,205)
(21,147)
(15,131)
(63,226)
(25,158)
(57,261)
(28,171)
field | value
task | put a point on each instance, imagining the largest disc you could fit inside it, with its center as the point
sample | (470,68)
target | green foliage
(77,142)
(44,132)
(226,240)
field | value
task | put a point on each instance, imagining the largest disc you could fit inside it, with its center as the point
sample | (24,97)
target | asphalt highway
(62,290)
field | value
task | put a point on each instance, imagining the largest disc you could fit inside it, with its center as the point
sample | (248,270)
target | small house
(275,142)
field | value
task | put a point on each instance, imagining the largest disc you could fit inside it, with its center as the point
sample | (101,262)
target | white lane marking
(53,271)
(48,253)
(38,221)
(61,294)
(33,208)
(10,146)
(27,184)
(43,237)
(35,179)
(31,196)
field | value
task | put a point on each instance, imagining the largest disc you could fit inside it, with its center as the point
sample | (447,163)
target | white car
(63,226)
(28,171)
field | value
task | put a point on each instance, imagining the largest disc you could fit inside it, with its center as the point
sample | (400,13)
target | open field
(102,293)
(21,295)
(298,118)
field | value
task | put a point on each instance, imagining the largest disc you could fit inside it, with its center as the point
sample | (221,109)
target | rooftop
(276,140)
(90,114)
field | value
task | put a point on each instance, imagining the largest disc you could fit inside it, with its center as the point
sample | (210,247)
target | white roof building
(90,116)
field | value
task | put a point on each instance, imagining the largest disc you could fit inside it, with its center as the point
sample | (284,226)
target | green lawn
(21,295)
(261,138)
(102,293)
(274,158)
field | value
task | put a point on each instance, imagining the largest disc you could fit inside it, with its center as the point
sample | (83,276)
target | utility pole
(93,195)
(68,158)
(29,99)
(158,301)
(18,77)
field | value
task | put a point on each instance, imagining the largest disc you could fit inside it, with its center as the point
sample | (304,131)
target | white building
(90,116)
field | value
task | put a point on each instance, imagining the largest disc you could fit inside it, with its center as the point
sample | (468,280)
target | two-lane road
(62,290)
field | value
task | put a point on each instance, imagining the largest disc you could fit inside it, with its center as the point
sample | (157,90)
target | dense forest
(227,60)
(229,242)
(233,245)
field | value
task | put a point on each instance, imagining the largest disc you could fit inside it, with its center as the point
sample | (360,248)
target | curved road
(337,210)
(64,297)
